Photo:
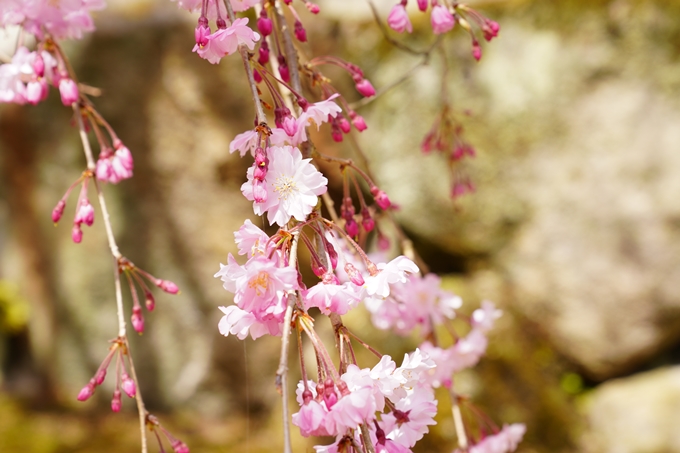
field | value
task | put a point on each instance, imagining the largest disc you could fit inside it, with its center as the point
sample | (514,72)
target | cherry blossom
(251,240)
(398,19)
(442,20)
(225,41)
(63,19)
(292,185)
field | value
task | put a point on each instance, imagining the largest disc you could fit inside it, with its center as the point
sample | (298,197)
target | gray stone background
(574,228)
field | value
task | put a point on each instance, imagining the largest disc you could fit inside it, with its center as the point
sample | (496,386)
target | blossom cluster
(444,15)
(60,19)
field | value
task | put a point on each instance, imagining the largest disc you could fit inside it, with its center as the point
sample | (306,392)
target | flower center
(260,283)
(284,185)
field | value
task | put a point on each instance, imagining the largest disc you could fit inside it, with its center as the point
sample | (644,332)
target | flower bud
(300,32)
(332,254)
(422,5)
(221,23)
(86,391)
(263,53)
(76,233)
(476,51)
(137,319)
(39,65)
(354,275)
(344,125)
(179,446)
(68,91)
(313,8)
(167,286)
(116,402)
(365,88)
(85,213)
(352,227)
(264,24)
(359,122)
(366,220)
(381,198)
(128,385)
(34,91)
(58,211)
(283,71)
(257,77)
(149,300)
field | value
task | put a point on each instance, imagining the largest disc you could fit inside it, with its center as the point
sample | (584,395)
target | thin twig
(458,420)
(141,408)
(282,371)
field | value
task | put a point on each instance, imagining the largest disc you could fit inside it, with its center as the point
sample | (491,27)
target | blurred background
(574,229)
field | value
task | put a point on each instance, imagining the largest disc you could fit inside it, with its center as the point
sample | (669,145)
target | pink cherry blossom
(395,271)
(442,20)
(241,323)
(504,441)
(331,298)
(63,19)
(483,318)
(292,184)
(251,240)
(225,41)
(245,142)
(112,166)
(412,415)
(398,19)
(311,419)
(259,286)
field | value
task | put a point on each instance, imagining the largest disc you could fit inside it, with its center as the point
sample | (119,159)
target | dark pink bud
(336,132)
(344,125)
(39,65)
(100,376)
(116,402)
(354,275)
(381,198)
(490,29)
(283,72)
(149,301)
(167,286)
(318,268)
(359,122)
(58,211)
(76,233)
(300,32)
(287,2)
(422,5)
(86,392)
(476,51)
(128,385)
(265,24)
(257,77)
(85,213)
(365,88)
(366,220)
(263,53)
(221,23)
(179,446)
(352,227)
(332,254)
(137,319)
(313,8)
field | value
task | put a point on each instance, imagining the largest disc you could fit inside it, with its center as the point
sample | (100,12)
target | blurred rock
(638,414)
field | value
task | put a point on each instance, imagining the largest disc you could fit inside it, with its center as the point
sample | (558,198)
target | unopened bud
(149,301)
(422,5)
(116,402)
(366,220)
(381,198)
(128,385)
(39,65)
(221,23)
(86,391)
(476,51)
(344,125)
(300,32)
(137,319)
(68,91)
(76,234)
(354,275)
(179,446)
(263,53)
(332,254)
(257,77)
(351,227)
(359,122)
(283,71)
(265,24)
(167,286)
(313,8)
(365,88)
(58,211)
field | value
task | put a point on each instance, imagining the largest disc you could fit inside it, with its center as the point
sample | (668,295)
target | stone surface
(638,414)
